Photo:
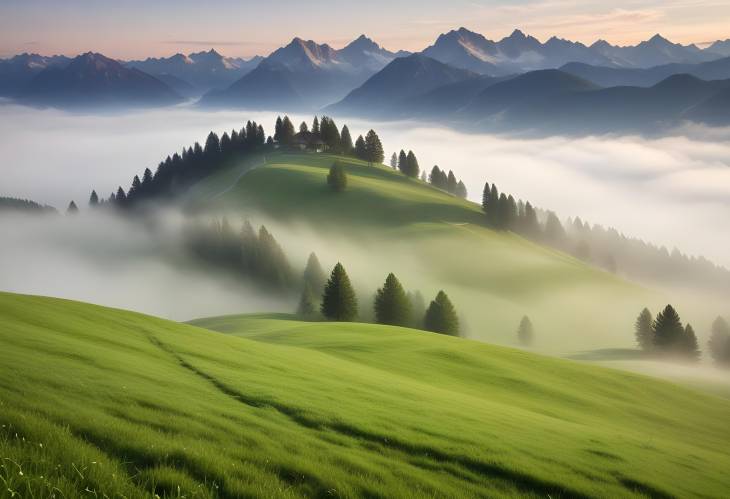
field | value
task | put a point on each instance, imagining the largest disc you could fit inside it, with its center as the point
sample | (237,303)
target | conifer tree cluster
(249,253)
(665,335)
(441,316)
(179,171)
(447,182)
(369,148)
(408,164)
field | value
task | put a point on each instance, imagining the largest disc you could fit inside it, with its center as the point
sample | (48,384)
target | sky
(139,28)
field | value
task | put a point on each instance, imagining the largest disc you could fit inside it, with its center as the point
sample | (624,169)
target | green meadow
(97,402)
(386,222)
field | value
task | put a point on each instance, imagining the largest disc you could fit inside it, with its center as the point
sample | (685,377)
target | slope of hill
(404,78)
(94,80)
(204,71)
(150,406)
(385,222)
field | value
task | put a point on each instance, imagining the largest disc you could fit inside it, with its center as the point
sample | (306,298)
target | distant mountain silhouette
(610,76)
(18,71)
(305,74)
(653,52)
(403,78)
(520,52)
(201,71)
(720,47)
(94,80)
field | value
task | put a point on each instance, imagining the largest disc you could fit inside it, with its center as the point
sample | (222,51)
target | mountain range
(551,100)
(304,74)
(450,78)
(94,80)
(197,73)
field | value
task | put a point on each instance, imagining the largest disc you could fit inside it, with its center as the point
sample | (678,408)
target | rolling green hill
(386,222)
(108,403)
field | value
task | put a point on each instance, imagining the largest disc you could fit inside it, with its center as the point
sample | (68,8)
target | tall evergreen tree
(315,127)
(461,190)
(690,346)
(644,330)
(287,131)
(374,148)
(212,147)
(394,161)
(525,331)
(451,182)
(346,144)
(554,231)
(93,200)
(121,198)
(530,224)
(277,129)
(402,162)
(412,168)
(338,301)
(72,209)
(668,331)
(337,177)
(314,275)
(391,303)
(360,149)
(486,197)
(441,316)
(719,344)
(303,128)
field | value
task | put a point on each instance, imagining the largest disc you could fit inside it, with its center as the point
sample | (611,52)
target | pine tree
(337,177)
(360,149)
(93,200)
(451,182)
(287,131)
(668,331)
(461,190)
(277,129)
(530,224)
(212,147)
(493,207)
(394,161)
(338,301)
(303,128)
(485,197)
(391,303)
(72,209)
(315,127)
(121,198)
(346,141)
(719,343)
(690,346)
(402,162)
(441,316)
(644,330)
(525,331)
(314,275)
(412,168)
(374,148)
(554,231)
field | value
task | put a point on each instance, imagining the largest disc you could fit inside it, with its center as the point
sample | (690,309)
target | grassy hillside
(107,403)
(386,222)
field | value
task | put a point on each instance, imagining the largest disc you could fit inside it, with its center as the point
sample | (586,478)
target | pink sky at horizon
(138,29)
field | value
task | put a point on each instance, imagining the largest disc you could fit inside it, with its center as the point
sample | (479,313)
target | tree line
(248,253)
(665,335)
(334,299)
(407,164)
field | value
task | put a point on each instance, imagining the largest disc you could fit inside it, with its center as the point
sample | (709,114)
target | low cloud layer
(673,191)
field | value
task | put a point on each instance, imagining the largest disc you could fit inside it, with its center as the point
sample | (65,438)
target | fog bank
(673,191)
